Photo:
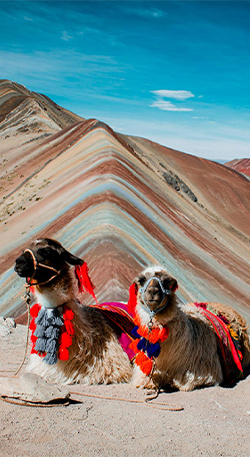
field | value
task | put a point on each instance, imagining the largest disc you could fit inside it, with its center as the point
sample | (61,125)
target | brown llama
(184,346)
(72,343)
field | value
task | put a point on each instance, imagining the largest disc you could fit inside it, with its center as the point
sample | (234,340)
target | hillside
(241,165)
(121,203)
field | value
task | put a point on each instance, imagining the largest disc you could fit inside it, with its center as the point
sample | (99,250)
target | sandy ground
(215,422)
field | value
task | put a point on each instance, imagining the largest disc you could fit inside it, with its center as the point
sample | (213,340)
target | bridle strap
(38,264)
(164,301)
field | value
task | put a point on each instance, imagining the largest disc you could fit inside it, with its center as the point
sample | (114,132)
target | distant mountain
(241,165)
(121,203)
(221,161)
(26,110)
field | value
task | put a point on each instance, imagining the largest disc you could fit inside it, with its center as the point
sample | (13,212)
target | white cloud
(66,36)
(168,106)
(145,12)
(28,19)
(179,95)
(174,94)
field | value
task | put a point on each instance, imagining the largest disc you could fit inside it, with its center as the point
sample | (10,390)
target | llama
(71,343)
(181,346)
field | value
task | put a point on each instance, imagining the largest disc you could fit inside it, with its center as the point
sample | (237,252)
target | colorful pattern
(229,349)
(120,320)
(51,333)
(147,344)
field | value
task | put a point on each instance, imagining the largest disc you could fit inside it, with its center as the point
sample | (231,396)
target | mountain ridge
(104,196)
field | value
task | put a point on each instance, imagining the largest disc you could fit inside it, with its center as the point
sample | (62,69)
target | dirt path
(215,422)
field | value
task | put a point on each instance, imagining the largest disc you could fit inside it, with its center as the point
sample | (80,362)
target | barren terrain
(214,422)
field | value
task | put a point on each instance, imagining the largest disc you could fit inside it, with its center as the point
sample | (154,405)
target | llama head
(155,290)
(44,260)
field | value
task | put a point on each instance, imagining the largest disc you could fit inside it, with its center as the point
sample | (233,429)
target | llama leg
(139,379)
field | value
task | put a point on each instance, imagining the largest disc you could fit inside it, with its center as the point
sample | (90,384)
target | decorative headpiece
(84,281)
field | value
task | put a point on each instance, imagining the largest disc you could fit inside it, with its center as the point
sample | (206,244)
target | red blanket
(121,321)
(228,346)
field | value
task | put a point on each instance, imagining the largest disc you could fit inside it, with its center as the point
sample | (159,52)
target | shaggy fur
(95,355)
(189,358)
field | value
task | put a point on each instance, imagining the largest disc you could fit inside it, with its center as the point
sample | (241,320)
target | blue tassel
(52,332)
(153,350)
(134,332)
(51,359)
(41,345)
(42,318)
(142,344)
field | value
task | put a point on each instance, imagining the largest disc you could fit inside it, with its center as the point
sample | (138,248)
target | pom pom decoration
(140,358)
(68,314)
(147,345)
(84,281)
(134,344)
(153,350)
(33,351)
(51,334)
(69,327)
(146,367)
(68,331)
(63,354)
(35,310)
(33,325)
(65,340)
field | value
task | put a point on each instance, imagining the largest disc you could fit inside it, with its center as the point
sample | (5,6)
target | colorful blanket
(117,316)
(228,344)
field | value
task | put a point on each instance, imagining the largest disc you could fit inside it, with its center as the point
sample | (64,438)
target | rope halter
(38,264)
(164,302)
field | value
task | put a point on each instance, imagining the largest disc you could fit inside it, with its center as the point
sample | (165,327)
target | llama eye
(141,280)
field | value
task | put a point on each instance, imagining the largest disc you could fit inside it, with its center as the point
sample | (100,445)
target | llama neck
(57,294)
(49,300)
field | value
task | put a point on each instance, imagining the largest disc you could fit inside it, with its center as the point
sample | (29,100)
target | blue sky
(175,72)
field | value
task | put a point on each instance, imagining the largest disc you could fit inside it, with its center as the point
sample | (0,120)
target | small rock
(33,388)
(10,323)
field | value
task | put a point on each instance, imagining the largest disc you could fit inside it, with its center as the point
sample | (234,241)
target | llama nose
(154,294)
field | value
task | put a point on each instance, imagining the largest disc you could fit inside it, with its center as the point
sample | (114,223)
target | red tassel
(132,299)
(84,281)
(69,327)
(33,351)
(33,338)
(146,367)
(35,310)
(133,345)
(33,325)
(68,314)
(63,354)
(65,340)
(141,358)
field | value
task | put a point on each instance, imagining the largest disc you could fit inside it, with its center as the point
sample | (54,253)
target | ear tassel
(132,299)
(84,281)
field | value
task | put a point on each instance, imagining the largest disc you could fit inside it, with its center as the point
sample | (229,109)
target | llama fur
(189,357)
(95,356)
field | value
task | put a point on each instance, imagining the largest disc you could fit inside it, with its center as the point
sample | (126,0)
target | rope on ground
(18,401)
(157,405)
(27,297)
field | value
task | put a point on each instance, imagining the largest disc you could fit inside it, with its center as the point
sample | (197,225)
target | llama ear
(64,254)
(71,258)
(169,283)
(173,285)
(140,280)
